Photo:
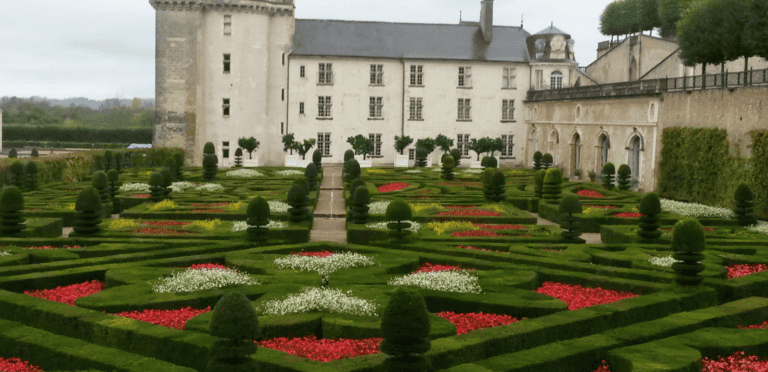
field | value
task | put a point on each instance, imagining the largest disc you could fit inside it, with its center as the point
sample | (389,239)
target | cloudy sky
(106,48)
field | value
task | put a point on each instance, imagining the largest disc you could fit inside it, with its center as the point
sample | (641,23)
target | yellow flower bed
(165,204)
(70,206)
(122,223)
(494,208)
(234,207)
(592,210)
(207,225)
(376,171)
(443,227)
(418,207)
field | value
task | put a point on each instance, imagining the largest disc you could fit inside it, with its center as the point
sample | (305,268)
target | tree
(710,32)
(670,12)
(443,143)
(361,145)
(495,144)
(304,147)
(688,245)
(405,326)
(289,143)
(428,144)
(136,103)
(249,144)
(480,146)
(236,323)
(258,218)
(402,142)
(755,37)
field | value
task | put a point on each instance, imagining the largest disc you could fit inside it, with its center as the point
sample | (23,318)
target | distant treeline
(109,115)
(53,133)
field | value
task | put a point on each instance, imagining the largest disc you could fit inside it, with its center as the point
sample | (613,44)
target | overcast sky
(106,48)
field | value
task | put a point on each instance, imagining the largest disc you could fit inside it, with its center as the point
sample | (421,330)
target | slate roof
(408,40)
(551,30)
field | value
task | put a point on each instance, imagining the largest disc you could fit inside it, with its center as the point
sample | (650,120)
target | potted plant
(290,144)
(250,145)
(400,144)
(592,176)
(577,174)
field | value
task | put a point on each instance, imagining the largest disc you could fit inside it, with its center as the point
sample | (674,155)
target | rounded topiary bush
(360,202)
(421,157)
(744,205)
(11,207)
(357,182)
(178,157)
(552,190)
(538,182)
(310,173)
(238,158)
(624,175)
(301,182)
(258,217)
(156,188)
(89,212)
(349,155)
(113,176)
(236,322)
(100,182)
(456,155)
(492,162)
(16,174)
(484,161)
(447,168)
(405,328)
(398,212)
(210,167)
(649,225)
(208,148)
(688,244)
(13,154)
(497,183)
(547,160)
(297,199)
(317,159)
(30,172)
(608,173)
(537,159)
(353,170)
(569,206)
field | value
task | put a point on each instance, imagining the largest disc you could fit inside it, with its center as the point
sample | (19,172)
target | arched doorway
(575,153)
(605,144)
(554,141)
(634,158)
(633,70)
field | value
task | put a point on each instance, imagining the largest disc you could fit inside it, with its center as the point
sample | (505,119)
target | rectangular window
(225,149)
(539,79)
(465,76)
(417,75)
(508,110)
(462,144)
(376,140)
(415,109)
(225,106)
(464,109)
(377,74)
(509,78)
(506,151)
(226,62)
(374,107)
(325,75)
(282,95)
(283,59)
(411,154)
(301,71)
(301,108)
(282,127)
(227,25)
(324,143)
(324,107)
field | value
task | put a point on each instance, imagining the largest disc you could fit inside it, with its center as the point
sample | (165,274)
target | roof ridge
(402,23)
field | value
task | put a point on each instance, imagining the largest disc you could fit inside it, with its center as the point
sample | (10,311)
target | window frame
(301,108)
(376,140)
(377,74)
(462,143)
(465,77)
(508,110)
(464,107)
(324,107)
(226,105)
(227,25)
(227,63)
(375,105)
(509,145)
(414,107)
(325,73)
(556,81)
(324,143)
(417,76)
(510,78)
(301,71)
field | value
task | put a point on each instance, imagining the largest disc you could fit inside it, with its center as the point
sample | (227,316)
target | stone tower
(215,57)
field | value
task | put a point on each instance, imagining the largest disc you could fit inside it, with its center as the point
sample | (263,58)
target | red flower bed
(628,215)
(590,193)
(478,248)
(425,191)
(735,271)
(468,212)
(461,206)
(736,362)
(577,297)
(313,254)
(166,223)
(207,266)
(463,234)
(209,211)
(209,205)
(17,365)
(428,268)
(603,367)
(50,247)
(394,186)
(33,209)
(461,183)
(323,350)
(168,318)
(160,231)
(601,206)
(466,322)
(140,195)
(499,227)
(69,293)
(764,325)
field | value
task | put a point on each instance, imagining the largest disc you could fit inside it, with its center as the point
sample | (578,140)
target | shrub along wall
(64,145)
(62,134)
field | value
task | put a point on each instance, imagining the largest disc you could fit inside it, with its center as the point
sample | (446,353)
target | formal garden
(167,267)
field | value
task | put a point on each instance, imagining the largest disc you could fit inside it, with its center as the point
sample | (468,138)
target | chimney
(486,19)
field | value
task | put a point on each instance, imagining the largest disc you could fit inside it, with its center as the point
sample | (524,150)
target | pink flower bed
(160,231)
(17,365)
(735,271)
(394,186)
(209,211)
(589,193)
(601,206)
(168,318)
(323,350)
(142,196)
(209,205)
(69,293)
(207,266)
(428,268)
(464,234)
(764,325)
(313,254)
(166,223)
(51,247)
(499,227)
(466,322)
(628,215)
(577,296)
(736,362)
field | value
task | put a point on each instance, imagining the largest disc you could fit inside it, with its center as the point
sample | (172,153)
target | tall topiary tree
(258,218)
(126,160)
(311,174)
(167,182)
(688,244)
(551,190)
(398,212)
(547,160)
(89,212)
(360,202)
(447,169)
(744,205)
(178,157)
(297,199)
(317,159)
(156,188)
(349,155)
(30,172)
(35,154)
(236,322)
(650,206)
(353,170)
(624,175)
(113,177)
(210,167)
(421,157)
(118,161)
(357,182)
(486,179)
(208,148)
(456,155)
(101,183)
(405,327)
(13,154)
(16,174)
(569,206)
(302,182)
(497,187)
(98,162)
(238,158)
(608,173)
(109,158)
(11,207)
(538,182)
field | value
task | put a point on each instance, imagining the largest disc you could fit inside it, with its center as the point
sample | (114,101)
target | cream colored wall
(620,119)
(611,67)
(350,98)
(569,77)
(653,51)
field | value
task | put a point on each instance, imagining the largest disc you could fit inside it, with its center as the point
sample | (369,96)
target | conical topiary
(178,157)
(650,206)
(258,218)
(538,182)
(405,328)
(421,157)
(688,244)
(569,206)
(744,205)
(117,163)
(114,186)
(608,173)
(101,183)
(456,155)
(157,191)
(16,174)
(497,187)
(11,207)
(89,212)
(547,160)
(236,322)
(537,160)
(126,160)
(208,148)
(447,169)
(98,162)
(624,175)
(109,158)
(302,182)
(360,202)
(297,199)
(486,180)
(357,182)
(353,170)
(210,167)
(398,212)
(310,173)
(167,182)
(238,158)
(30,172)
(317,159)
(551,190)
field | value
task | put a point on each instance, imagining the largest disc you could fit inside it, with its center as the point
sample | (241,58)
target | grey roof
(408,40)
(551,30)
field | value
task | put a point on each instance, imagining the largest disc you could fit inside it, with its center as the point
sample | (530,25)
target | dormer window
(540,44)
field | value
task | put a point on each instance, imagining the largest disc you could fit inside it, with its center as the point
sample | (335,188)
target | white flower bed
(413,171)
(244,173)
(192,280)
(436,169)
(663,261)
(4,253)
(276,206)
(134,187)
(472,171)
(324,265)
(759,228)
(243,225)
(694,209)
(210,187)
(179,187)
(378,207)
(321,299)
(290,172)
(448,281)
(415,226)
